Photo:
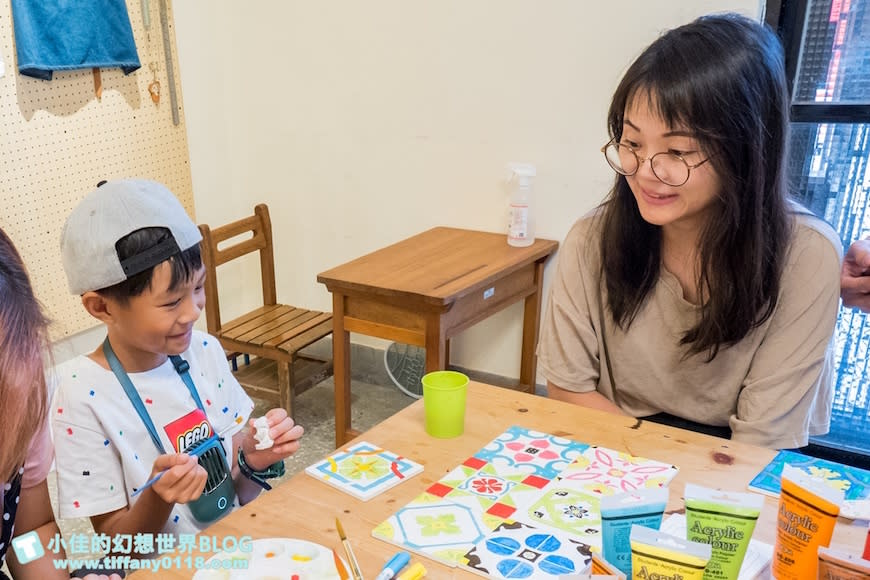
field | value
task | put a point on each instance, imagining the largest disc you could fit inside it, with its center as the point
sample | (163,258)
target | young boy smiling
(132,254)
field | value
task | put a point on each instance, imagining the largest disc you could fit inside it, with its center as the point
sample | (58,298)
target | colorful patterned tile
(364,470)
(560,508)
(531,452)
(600,469)
(495,492)
(517,550)
(437,528)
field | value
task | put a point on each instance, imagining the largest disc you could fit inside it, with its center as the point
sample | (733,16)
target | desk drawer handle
(488,293)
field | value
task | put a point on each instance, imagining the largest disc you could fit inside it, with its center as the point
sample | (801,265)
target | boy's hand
(284,433)
(183,481)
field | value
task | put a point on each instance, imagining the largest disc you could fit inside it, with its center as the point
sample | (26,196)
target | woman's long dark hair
(721,76)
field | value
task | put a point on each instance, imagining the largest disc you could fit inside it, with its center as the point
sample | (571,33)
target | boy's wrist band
(260,477)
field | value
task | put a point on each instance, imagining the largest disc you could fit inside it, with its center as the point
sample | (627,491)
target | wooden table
(425,290)
(306,508)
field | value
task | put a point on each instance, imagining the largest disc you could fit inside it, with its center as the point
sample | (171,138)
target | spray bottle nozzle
(522,172)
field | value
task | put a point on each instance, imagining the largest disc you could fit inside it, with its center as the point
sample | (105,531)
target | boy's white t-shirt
(103,450)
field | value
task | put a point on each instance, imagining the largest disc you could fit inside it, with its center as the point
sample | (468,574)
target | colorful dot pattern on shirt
(87,389)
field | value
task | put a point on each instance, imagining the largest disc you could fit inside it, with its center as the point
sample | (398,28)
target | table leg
(531,324)
(341,367)
(436,345)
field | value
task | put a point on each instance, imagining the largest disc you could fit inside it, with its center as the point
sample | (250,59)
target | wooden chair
(273,333)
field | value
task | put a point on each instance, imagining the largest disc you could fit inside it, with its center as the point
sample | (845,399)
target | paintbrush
(351,559)
(339,566)
(193,453)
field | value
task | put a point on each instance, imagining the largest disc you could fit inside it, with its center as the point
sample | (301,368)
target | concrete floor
(371,403)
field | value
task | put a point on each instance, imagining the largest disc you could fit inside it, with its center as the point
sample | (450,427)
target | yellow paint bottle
(659,556)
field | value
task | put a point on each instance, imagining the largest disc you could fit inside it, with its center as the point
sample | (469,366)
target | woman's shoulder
(586,231)
(814,234)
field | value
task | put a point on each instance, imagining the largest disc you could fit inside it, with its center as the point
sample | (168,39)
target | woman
(698,294)
(26,451)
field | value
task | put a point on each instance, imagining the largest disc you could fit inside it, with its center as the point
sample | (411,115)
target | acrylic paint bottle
(836,565)
(521,221)
(655,554)
(725,520)
(622,510)
(808,509)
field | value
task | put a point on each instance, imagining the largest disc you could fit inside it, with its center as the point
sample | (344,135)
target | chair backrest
(260,226)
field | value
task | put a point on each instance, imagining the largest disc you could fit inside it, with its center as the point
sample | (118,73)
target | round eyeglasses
(669,168)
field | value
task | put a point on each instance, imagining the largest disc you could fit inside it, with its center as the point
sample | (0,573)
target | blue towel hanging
(55,35)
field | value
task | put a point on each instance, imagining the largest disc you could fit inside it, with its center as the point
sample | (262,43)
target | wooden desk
(425,290)
(306,508)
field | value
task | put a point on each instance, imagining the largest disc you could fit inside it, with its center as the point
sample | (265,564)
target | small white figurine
(262,434)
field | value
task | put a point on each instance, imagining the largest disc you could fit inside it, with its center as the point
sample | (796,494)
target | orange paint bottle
(807,512)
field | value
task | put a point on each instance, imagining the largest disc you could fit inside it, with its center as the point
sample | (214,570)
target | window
(827,44)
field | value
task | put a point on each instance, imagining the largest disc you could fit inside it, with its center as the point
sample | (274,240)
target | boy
(132,254)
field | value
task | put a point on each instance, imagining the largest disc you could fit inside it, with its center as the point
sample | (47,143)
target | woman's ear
(98,306)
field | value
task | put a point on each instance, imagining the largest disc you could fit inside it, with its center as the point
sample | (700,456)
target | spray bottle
(521,223)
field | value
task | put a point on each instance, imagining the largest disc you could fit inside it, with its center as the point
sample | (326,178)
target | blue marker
(393,567)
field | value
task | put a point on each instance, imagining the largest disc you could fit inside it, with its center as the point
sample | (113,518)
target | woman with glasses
(697,294)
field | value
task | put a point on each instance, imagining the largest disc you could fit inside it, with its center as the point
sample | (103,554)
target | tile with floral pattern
(531,452)
(436,527)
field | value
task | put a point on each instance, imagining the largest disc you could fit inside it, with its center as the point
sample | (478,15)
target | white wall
(361,123)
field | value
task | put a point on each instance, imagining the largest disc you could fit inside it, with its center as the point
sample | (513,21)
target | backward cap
(109,213)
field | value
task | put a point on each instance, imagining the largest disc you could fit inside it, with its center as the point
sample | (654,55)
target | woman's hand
(855,276)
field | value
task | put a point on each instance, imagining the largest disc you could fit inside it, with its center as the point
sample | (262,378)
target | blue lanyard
(181,367)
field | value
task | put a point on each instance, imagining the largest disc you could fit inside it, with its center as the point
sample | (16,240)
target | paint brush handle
(351,559)
(195,453)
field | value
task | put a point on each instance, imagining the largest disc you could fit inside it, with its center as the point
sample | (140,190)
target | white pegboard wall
(58,141)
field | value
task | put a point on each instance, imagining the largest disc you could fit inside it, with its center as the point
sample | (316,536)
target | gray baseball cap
(107,214)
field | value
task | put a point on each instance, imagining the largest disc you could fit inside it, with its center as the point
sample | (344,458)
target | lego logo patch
(188,430)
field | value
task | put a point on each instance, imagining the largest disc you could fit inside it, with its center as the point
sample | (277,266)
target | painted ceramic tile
(437,528)
(531,452)
(561,508)
(853,481)
(600,470)
(497,493)
(364,470)
(517,550)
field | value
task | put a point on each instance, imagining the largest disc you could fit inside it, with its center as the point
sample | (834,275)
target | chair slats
(275,335)
(289,317)
(307,337)
(247,317)
(290,333)
(274,316)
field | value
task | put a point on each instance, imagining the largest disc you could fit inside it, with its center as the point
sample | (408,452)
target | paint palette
(272,559)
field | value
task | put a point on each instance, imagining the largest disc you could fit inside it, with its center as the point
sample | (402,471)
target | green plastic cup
(444,403)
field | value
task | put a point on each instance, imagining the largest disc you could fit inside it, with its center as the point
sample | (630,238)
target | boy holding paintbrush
(128,412)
